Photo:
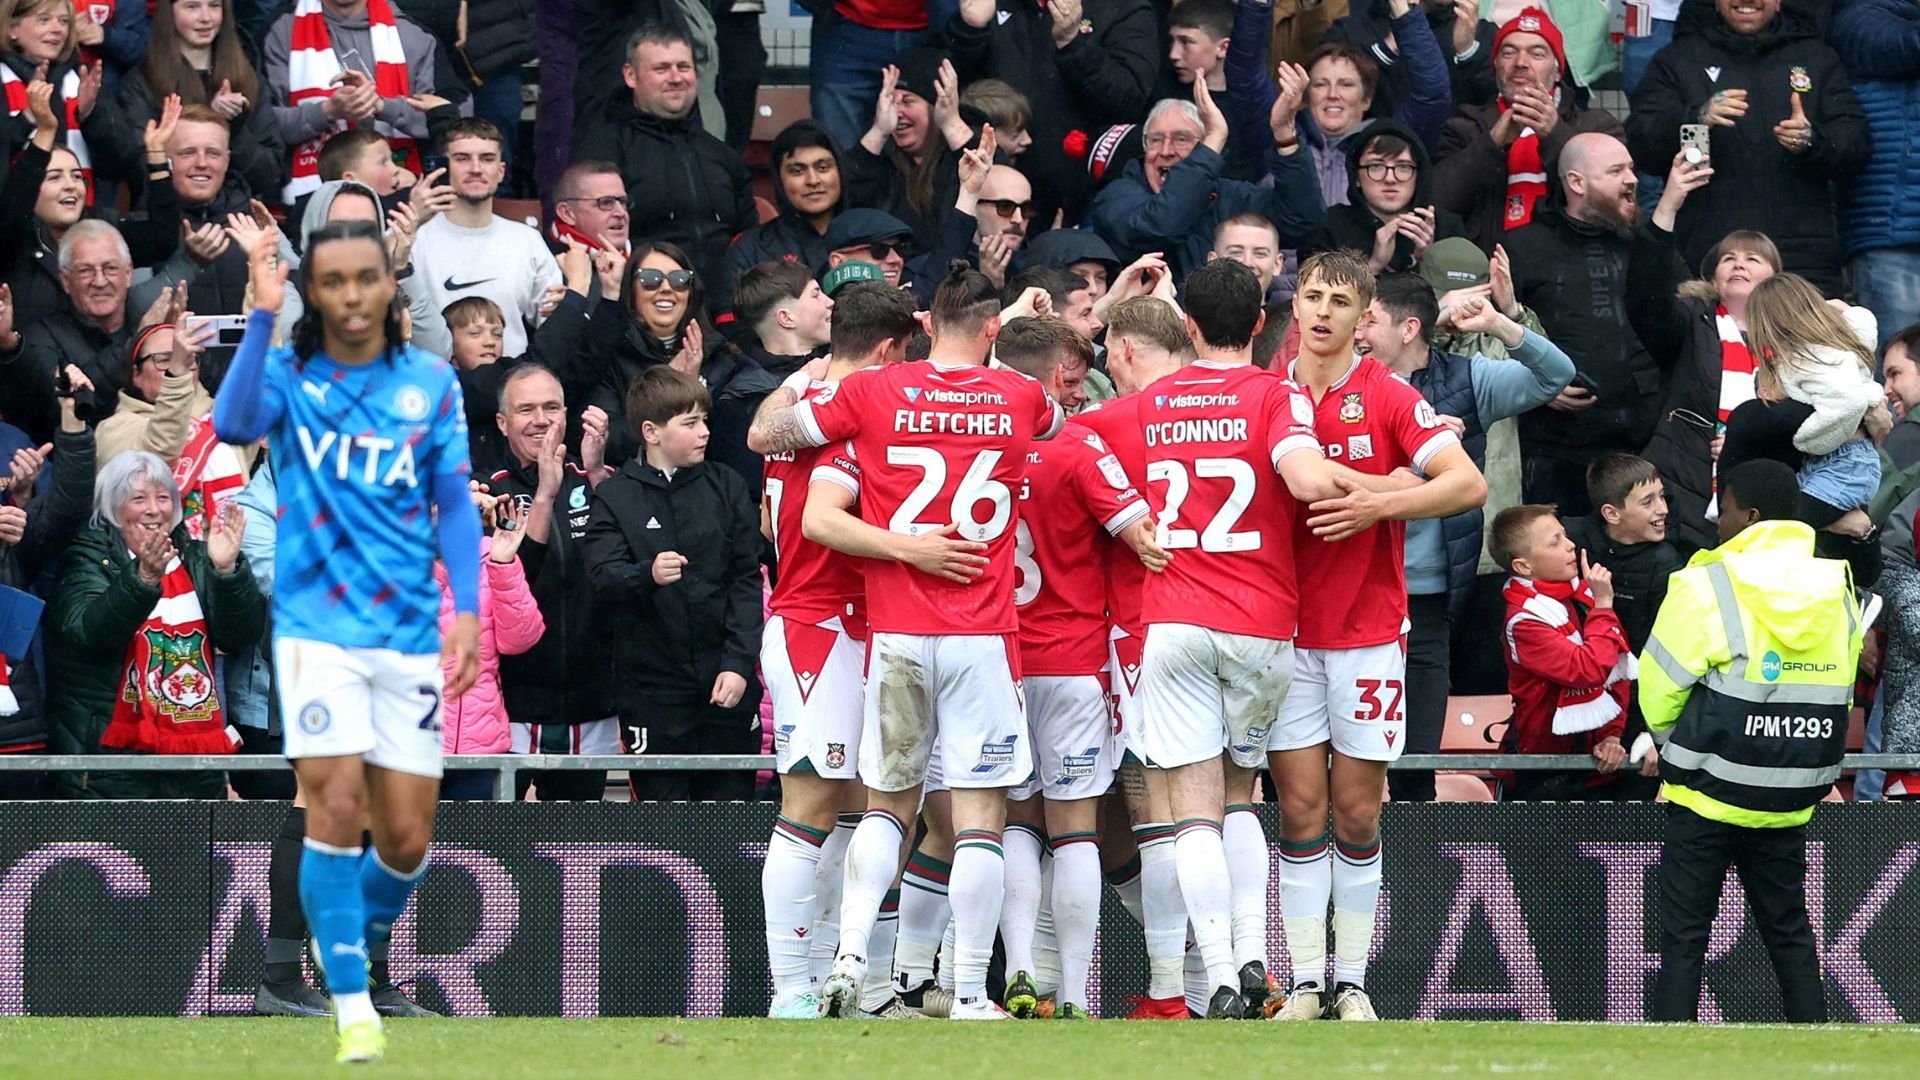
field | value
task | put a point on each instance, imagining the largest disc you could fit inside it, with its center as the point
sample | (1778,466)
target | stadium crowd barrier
(1490,911)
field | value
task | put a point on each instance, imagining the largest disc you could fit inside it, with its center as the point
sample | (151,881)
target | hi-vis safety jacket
(1747,678)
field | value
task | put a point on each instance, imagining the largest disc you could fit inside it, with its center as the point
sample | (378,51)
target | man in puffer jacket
(1785,126)
(510,624)
(1879,41)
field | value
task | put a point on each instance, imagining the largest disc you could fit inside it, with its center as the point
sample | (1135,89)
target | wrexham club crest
(175,678)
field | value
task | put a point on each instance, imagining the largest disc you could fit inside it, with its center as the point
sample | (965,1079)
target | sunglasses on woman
(649,278)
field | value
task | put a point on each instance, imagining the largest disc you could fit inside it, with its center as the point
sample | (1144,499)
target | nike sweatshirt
(506,262)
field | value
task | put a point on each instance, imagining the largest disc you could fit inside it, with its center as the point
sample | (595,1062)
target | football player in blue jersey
(369,448)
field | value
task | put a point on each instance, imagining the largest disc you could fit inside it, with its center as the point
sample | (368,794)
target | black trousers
(1772,864)
(1429,650)
(692,729)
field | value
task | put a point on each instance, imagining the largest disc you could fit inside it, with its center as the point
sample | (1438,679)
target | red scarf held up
(166,702)
(1526,174)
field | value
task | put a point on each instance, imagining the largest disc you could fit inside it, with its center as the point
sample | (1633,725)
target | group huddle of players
(1002,622)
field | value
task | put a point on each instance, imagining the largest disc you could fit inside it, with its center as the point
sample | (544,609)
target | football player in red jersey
(942,447)
(1146,341)
(1350,667)
(1076,495)
(813,656)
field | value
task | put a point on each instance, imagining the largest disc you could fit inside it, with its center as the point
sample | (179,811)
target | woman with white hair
(138,613)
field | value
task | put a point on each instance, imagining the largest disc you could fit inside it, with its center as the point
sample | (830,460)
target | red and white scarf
(312,67)
(166,703)
(561,232)
(69,91)
(1548,602)
(209,474)
(1736,363)
(1526,173)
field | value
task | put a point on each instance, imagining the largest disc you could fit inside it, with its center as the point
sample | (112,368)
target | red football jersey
(1076,495)
(1371,421)
(815,582)
(1117,422)
(1215,435)
(937,446)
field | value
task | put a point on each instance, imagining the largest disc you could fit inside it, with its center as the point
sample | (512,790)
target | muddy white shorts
(1203,691)
(963,688)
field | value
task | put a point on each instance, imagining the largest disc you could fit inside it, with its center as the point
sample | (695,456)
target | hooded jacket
(674,640)
(429,325)
(1750,704)
(510,624)
(684,185)
(1354,224)
(789,237)
(1879,41)
(1788,196)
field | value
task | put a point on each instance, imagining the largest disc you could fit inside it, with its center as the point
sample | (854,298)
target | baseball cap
(864,226)
(1453,263)
(851,270)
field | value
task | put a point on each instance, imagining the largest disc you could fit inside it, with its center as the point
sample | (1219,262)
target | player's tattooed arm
(775,426)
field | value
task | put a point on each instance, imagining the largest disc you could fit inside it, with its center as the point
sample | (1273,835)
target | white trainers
(937,1003)
(980,1008)
(1304,1002)
(1350,1002)
(895,1009)
(840,995)
(805,1006)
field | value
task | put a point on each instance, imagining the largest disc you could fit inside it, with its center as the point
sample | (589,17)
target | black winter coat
(684,185)
(1103,77)
(1573,275)
(1366,27)
(26,376)
(1790,197)
(499,33)
(112,142)
(674,640)
(1353,226)
(1679,332)
(566,678)
(53,519)
(787,238)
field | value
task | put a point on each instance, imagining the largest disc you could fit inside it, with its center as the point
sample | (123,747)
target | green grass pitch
(646,1049)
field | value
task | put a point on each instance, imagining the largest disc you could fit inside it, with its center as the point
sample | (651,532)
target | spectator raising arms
(141,604)
(196,55)
(1785,126)
(39,43)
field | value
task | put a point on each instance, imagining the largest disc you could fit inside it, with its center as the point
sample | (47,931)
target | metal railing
(507,767)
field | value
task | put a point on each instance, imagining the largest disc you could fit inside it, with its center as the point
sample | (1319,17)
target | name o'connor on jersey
(342,448)
(1225,429)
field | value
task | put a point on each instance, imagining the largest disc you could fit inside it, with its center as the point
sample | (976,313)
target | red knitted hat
(1532,20)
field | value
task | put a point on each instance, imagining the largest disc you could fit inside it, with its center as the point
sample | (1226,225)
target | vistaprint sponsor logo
(1195,401)
(937,396)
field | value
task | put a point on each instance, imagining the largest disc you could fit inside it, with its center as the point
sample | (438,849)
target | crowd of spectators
(1611,306)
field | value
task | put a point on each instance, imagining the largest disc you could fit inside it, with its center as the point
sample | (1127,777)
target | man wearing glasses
(95,271)
(590,206)
(1173,199)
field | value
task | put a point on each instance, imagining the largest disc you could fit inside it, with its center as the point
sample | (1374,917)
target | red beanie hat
(1532,20)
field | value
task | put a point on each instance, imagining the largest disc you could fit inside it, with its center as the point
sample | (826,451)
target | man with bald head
(1005,210)
(1570,268)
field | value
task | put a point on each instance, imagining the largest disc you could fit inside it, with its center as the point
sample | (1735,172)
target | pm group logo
(1770,666)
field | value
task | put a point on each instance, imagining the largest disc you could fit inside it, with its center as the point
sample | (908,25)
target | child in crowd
(673,544)
(510,624)
(1627,532)
(1007,109)
(1569,667)
(479,329)
(363,154)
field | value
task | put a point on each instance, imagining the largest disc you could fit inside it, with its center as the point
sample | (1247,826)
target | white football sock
(979,888)
(944,980)
(1164,913)
(1208,890)
(1046,945)
(925,914)
(878,989)
(872,857)
(788,898)
(1021,910)
(827,880)
(1306,884)
(1076,911)
(1247,867)
(1356,893)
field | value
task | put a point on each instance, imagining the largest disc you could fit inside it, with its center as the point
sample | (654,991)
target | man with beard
(1495,156)
(1570,268)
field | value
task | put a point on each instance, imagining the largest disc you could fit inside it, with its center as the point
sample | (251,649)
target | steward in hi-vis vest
(1746,683)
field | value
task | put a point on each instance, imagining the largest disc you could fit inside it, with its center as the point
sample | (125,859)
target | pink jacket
(510,623)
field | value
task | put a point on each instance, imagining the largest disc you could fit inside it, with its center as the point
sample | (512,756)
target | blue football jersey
(355,451)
